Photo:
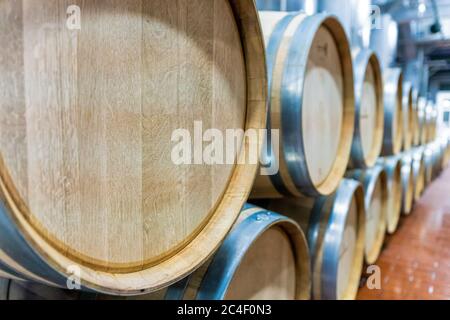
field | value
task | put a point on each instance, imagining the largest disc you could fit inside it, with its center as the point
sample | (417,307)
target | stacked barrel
(89,190)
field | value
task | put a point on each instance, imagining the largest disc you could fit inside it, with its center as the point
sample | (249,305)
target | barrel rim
(361,62)
(153,277)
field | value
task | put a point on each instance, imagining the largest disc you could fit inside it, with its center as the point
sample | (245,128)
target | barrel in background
(335,227)
(311,103)
(419,175)
(408,115)
(376,200)
(87,117)
(369,110)
(407,184)
(393,111)
(393,168)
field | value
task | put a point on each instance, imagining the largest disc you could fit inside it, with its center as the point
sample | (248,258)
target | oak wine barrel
(265,257)
(393,167)
(408,115)
(418,167)
(393,111)
(407,184)
(421,107)
(428,159)
(437,159)
(311,104)
(416,119)
(431,121)
(87,120)
(369,110)
(335,227)
(376,200)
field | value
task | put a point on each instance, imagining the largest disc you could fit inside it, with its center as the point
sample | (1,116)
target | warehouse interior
(351,100)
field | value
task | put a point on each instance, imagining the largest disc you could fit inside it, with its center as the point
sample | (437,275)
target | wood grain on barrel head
(347,252)
(369,111)
(323,105)
(87,117)
(267,270)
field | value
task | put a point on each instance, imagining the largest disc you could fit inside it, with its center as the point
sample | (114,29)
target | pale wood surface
(376,220)
(348,251)
(86,123)
(267,271)
(323,106)
(394,199)
(369,111)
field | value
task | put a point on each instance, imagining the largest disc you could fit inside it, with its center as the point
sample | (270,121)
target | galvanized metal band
(291,99)
(271,57)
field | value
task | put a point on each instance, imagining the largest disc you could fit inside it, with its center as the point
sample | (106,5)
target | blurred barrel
(416,118)
(311,104)
(418,167)
(369,110)
(393,167)
(393,111)
(407,184)
(376,200)
(430,122)
(335,231)
(428,159)
(437,159)
(87,174)
(421,109)
(408,115)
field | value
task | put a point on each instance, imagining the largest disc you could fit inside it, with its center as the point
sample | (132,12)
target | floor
(415,263)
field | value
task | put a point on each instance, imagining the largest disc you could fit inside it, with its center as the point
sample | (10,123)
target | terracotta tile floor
(415,263)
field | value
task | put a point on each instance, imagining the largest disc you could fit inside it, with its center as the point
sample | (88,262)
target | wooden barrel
(376,200)
(393,111)
(264,257)
(88,116)
(393,167)
(431,122)
(428,159)
(416,119)
(335,227)
(421,107)
(369,110)
(445,144)
(407,184)
(418,167)
(311,88)
(408,115)
(437,159)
